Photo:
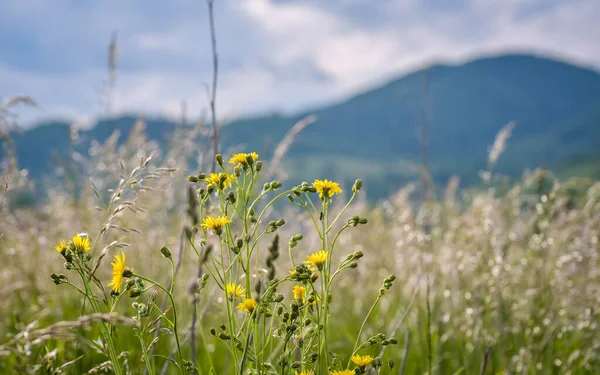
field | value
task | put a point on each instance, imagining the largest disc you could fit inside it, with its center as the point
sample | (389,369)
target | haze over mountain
(376,134)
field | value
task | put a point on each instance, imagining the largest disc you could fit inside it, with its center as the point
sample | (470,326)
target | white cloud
(285,55)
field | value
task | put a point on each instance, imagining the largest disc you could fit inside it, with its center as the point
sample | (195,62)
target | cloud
(273,54)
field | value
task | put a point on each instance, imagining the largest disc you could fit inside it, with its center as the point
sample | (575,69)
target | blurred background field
(479,157)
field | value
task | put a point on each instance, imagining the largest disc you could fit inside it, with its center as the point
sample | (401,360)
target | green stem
(145,353)
(114,358)
(180,355)
(362,327)
(341,212)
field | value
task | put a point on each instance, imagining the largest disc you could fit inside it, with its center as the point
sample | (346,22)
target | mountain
(376,134)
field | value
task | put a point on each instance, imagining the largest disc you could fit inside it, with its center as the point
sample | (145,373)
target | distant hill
(376,134)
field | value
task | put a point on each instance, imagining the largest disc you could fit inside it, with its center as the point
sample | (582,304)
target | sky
(274,55)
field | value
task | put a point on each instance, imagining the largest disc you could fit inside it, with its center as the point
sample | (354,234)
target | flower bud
(165,252)
(391,363)
(377,362)
(201,176)
(219,159)
(267,186)
(135,292)
(357,185)
(231,197)
(192,179)
(259,165)
(58,278)
(224,336)
(280,223)
(129,283)
(290,198)
(127,272)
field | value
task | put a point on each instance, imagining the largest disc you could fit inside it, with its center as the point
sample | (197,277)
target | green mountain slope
(376,134)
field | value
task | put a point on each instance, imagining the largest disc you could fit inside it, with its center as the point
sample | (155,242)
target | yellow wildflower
(61,247)
(216,224)
(342,372)
(242,158)
(248,305)
(81,243)
(214,179)
(234,290)
(327,188)
(317,259)
(299,292)
(305,372)
(362,360)
(118,266)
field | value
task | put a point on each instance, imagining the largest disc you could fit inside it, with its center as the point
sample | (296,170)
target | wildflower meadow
(134,265)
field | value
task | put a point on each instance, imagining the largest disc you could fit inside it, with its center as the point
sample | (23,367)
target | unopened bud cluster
(387,284)
(356,220)
(58,278)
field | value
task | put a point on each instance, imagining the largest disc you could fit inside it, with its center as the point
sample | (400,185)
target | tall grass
(512,273)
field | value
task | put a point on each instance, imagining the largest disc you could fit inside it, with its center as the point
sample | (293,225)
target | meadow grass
(504,279)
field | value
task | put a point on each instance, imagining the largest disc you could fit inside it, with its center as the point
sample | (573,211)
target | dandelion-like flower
(326,188)
(234,290)
(81,243)
(317,259)
(299,292)
(342,372)
(216,224)
(214,179)
(305,372)
(242,158)
(361,360)
(248,305)
(118,272)
(61,247)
